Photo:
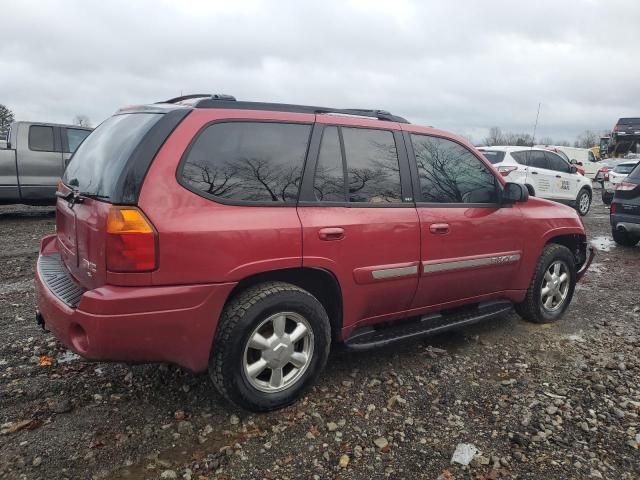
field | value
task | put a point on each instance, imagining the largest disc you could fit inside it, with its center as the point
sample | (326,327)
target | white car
(613,177)
(578,156)
(545,174)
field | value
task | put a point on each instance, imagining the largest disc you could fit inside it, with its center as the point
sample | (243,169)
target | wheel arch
(575,242)
(320,283)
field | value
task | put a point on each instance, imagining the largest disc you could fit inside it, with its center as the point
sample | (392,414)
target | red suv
(247,238)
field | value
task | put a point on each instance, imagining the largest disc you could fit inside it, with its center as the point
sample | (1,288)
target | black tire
(606,198)
(624,239)
(584,192)
(531,308)
(241,316)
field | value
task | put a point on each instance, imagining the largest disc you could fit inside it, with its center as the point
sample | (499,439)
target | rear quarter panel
(201,240)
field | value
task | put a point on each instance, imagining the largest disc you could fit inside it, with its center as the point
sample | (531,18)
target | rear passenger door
(40,163)
(564,183)
(539,176)
(358,216)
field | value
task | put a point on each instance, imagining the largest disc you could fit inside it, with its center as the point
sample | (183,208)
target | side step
(366,338)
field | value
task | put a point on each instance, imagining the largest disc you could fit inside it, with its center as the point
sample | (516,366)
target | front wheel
(272,342)
(583,202)
(606,197)
(624,238)
(551,288)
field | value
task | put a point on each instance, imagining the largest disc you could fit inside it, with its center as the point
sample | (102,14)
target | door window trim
(413,164)
(307,196)
(57,146)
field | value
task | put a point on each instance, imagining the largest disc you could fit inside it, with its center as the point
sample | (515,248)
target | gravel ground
(557,401)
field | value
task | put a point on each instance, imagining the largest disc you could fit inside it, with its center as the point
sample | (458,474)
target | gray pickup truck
(33,158)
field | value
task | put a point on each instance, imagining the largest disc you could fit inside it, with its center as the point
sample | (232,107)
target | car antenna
(535,126)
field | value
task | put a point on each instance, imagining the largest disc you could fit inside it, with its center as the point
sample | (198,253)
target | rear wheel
(583,201)
(272,342)
(551,288)
(606,197)
(624,238)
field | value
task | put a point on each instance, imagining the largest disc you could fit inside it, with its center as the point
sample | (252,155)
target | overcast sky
(462,66)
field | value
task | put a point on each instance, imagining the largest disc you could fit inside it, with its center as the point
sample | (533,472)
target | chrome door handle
(331,233)
(439,228)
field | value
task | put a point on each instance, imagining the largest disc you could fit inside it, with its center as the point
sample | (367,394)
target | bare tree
(495,137)
(587,139)
(6,119)
(82,120)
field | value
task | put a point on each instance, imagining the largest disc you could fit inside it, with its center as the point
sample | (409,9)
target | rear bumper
(629,223)
(174,324)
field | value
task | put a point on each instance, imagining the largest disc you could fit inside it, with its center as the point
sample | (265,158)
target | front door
(470,245)
(539,176)
(358,218)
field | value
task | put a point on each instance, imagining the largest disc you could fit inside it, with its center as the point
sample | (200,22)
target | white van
(583,156)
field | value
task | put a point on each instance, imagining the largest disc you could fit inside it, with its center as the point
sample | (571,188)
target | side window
(592,157)
(537,159)
(557,163)
(75,137)
(449,173)
(373,173)
(41,138)
(248,161)
(521,157)
(328,183)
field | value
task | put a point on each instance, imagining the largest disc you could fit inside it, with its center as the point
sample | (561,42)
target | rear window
(248,161)
(493,156)
(635,174)
(98,162)
(41,138)
(625,168)
(628,121)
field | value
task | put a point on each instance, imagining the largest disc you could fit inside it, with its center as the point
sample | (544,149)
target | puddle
(604,243)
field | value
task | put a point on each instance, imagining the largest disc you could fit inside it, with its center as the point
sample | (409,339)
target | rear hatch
(630,126)
(98,176)
(626,201)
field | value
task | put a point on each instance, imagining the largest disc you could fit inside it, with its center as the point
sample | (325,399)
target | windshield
(563,155)
(95,167)
(494,156)
(625,168)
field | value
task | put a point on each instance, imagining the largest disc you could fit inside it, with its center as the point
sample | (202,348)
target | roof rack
(215,96)
(219,100)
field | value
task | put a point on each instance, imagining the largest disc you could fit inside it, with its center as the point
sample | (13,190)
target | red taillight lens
(131,241)
(626,186)
(613,208)
(504,171)
(606,176)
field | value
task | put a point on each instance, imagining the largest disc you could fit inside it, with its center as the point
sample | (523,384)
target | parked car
(248,238)
(33,158)
(625,210)
(614,177)
(581,157)
(605,166)
(544,173)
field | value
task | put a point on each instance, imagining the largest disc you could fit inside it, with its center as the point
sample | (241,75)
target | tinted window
(449,173)
(41,138)
(328,184)
(624,168)
(635,173)
(493,156)
(557,163)
(537,158)
(248,161)
(521,157)
(75,138)
(372,166)
(98,162)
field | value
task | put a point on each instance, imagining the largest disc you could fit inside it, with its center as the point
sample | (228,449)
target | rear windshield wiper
(73,196)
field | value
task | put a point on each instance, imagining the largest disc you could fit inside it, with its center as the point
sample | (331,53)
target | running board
(366,338)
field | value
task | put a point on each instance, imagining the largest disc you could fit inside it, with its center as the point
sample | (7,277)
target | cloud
(460,66)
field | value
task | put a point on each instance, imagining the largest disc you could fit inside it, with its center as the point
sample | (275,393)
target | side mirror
(514,192)
(573,169)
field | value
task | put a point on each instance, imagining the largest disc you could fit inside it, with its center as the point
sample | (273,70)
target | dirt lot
(556,401)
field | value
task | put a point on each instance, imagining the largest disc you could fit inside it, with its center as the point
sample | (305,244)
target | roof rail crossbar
(215,96)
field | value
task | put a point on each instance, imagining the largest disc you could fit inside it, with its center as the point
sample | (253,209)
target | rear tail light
(504,171)
(626,186)
(131,241)
(606,176)
(613,208)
